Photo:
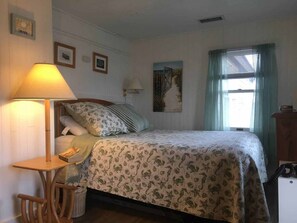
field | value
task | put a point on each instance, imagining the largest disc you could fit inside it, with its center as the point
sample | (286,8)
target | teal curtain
(216,109)
(216,104)
(266,100)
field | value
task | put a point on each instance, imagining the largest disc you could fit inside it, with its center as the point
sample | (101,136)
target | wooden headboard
(59,110)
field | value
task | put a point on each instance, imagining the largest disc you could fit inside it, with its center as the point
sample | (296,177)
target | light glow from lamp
(45,82)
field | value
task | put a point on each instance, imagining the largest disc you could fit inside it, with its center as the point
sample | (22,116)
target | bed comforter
(214,175)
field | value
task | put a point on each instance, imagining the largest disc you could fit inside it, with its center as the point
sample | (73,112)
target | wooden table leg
(47,183)
(48,195)
(52,199)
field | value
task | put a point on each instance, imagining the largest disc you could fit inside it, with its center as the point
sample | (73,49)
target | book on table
(71,155)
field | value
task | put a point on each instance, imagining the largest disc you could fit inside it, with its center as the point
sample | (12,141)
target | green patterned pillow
(133,120)
(97,119)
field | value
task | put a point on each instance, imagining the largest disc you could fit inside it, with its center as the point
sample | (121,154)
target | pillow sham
(75,128)
(133,120)
(97,119)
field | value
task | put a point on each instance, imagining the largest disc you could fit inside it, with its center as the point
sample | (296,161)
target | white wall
(88,38)
(192,48)
(21,123)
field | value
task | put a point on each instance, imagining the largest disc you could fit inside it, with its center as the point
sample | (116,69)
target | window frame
(245,75)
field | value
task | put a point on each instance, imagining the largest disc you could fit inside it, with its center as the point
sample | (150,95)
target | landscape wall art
(167,87)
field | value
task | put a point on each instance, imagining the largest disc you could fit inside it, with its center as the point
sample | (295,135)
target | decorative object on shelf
(22,26)
(167,89)
(72,155)
(286,108)
(45,82)
(64,55)
(133,87)
(100,63)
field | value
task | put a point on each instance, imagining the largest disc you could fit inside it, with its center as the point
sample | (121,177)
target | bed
(215,175)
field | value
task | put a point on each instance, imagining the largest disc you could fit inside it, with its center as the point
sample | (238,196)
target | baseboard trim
(16,219)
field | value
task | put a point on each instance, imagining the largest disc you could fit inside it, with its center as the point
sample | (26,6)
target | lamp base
(47,107)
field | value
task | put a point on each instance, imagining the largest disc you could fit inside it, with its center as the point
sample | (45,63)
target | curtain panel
(265,97)
(216,111)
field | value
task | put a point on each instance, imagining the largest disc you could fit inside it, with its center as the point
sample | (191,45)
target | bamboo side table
(45,170)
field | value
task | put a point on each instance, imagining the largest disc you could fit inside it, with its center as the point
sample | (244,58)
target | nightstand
(45,170)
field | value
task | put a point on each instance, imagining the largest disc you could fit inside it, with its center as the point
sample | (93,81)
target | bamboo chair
(63,198)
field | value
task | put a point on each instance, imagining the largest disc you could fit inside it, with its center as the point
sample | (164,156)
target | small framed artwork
(64,55)
(100,63)
(22,26)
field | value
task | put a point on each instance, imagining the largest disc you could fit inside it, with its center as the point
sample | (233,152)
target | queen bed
(210,174)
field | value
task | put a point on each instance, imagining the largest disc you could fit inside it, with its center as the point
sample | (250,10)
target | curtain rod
(242,48)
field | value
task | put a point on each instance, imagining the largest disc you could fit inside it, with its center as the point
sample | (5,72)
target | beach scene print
(167,87)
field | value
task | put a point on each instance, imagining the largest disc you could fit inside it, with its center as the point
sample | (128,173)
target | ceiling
(135,19)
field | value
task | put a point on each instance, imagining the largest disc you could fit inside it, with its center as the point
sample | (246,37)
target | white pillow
(75,128)
(62,143)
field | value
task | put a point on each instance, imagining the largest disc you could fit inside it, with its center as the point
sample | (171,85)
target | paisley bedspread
(214,175)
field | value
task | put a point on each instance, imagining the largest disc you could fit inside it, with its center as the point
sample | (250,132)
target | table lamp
(45,82)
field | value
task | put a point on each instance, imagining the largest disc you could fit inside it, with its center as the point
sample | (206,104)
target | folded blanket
(71,173)
(85,143)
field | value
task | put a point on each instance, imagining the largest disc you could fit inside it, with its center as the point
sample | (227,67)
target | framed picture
(22,26)
(167,89)
(64,55)
(100,63)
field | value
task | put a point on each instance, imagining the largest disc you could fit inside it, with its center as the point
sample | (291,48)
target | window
(241,92)
(239,83)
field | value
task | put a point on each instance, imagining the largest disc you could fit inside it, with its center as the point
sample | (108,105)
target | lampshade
(44,81)
(134,84)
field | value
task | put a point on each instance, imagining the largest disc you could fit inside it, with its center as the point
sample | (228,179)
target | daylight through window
(239,86)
